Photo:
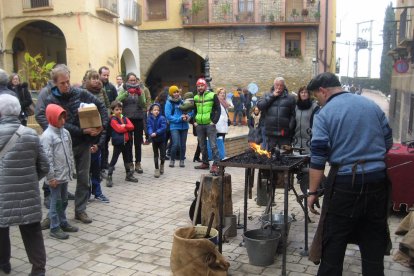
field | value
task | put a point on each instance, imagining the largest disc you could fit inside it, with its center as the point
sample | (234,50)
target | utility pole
(370,49)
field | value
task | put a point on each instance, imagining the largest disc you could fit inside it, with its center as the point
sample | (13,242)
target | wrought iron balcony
(108,7)
(406,27)
(35,4)
(200,13)
(132,13)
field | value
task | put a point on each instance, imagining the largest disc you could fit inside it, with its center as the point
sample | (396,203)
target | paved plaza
(133,234)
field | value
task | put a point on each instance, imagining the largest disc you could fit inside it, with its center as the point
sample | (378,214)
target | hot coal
(251,157)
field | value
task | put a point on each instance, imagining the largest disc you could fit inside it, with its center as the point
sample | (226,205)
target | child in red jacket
(121,138)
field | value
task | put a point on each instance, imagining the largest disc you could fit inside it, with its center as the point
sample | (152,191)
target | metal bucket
(261,246)
(278,224)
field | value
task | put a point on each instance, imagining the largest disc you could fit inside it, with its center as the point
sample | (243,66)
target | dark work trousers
(358,214)
(273,141)
(33,243)
(105,148)
(95,173)
(124,149)
(82,156)
(159,152)
(137,133)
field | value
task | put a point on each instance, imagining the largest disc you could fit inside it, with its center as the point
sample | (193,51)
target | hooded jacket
(57,144)
(20,171)
(157,125)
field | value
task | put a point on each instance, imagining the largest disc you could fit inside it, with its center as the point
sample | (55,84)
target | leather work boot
(162,169)
(83,217)
(45,224)
(130,177)
(157,173)
(203,166)
(138,167)
(214,170)
(109,182)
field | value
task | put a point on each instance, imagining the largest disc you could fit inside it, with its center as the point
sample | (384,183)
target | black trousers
(33,243)
(356,214)
(124,149)
(137,133)
(159,152)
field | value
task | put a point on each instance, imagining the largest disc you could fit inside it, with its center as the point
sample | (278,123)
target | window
(292,45)
(156,10)
(246,6)
(411,118)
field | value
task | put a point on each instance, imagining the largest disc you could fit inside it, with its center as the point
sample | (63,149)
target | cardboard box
(89,117)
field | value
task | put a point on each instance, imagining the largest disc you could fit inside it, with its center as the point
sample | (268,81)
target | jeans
(58,204)
(138,132)
(82,156)
(95,172)
(33,243)
(356,213)
(179,141)
(210,132)
(238,113)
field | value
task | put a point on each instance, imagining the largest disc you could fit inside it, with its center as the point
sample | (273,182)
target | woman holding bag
(23,94)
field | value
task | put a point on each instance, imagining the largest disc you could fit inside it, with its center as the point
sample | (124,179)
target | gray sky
(349,14)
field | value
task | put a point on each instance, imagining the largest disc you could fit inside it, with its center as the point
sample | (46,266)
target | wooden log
(210,198)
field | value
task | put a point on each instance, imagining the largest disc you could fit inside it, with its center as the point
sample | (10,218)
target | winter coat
(70,102)
(173,115)
(238,101)
(20,171)
(134,105)
(41,105)
(303,131)
(57,144)
(23,95)
(157,125)
(222,125)
(279,114)
(120,135)
(5,90)
(111,91)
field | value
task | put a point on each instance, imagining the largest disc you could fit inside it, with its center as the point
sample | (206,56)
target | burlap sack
(194,257)
(405,254)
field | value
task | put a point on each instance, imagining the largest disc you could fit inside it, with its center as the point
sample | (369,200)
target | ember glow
(258,150)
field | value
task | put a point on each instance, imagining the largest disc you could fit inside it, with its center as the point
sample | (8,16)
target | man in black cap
(352,134)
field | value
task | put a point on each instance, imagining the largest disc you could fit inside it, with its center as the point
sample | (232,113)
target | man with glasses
(352,134)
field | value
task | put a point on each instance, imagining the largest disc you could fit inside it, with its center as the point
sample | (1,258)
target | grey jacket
(20,171)
(57,144)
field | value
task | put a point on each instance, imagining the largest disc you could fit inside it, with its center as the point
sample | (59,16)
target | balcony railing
(132,13)
(34,4)
(249,12)
(405,32)
(108,7)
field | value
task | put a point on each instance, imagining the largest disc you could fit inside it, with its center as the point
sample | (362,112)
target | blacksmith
(352,134)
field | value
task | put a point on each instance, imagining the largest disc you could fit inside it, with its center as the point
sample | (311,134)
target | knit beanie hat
(201,81)
(172,89)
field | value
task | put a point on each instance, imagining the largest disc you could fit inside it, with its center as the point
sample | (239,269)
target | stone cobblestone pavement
(133,234)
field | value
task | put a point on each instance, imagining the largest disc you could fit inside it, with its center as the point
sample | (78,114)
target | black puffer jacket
(70,102)
(279,114)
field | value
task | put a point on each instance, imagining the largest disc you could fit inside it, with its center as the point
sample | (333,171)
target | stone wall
(236,145)
(238,55)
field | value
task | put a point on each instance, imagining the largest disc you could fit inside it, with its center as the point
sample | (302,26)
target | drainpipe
(325,55)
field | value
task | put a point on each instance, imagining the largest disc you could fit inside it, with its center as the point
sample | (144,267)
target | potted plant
(317,15)
(305,12)
(36,71)
(271,17)
(225,8)
(197,7)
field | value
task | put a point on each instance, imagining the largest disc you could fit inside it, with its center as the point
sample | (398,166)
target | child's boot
(157,173)
(162,168)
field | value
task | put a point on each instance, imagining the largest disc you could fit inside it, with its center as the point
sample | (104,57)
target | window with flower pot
(293,44)
(156,9)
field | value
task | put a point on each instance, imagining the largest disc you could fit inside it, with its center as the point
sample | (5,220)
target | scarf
(133,89)
(256,120)
(95,88)
(224,103)
(304,104)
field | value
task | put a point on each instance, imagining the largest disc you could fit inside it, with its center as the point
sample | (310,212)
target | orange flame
(258,150)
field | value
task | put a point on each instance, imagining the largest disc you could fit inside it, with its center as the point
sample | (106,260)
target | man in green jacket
(207,114)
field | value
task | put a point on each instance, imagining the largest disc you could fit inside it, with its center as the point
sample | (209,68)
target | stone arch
(128,62)
(36,37)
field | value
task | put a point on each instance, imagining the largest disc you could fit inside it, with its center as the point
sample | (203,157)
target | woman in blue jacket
(178,124)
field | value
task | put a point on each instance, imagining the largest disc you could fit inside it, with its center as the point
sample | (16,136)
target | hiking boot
(162,169)
(130,177)
(104,174)
(214,170)
(46,202)
(109,182)
(203,166)
(102,198)
(6,268)
(182,164)
(45,224)
(138,167)
(71,196)
(157,173)
(58,233)
(69,228)
(83,217)
(172,163)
